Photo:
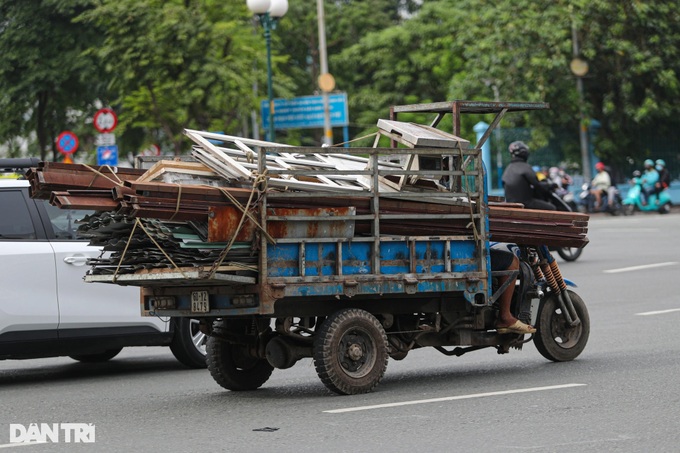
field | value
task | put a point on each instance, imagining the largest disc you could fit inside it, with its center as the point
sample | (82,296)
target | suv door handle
(76,260)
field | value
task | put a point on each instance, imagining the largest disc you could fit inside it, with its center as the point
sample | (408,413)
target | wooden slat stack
(51,177)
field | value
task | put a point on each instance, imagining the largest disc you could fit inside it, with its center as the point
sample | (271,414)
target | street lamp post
(579,68)
(269,12)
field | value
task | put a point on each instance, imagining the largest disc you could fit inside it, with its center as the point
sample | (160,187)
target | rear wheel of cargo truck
(234,368)
(351,352)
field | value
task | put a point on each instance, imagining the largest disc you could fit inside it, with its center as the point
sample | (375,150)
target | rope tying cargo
(122,256)
(356,139)
(119,181)
(179,199)
(258,180)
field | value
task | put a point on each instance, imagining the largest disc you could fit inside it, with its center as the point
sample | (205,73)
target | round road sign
(105,120)
(326,82)
(67,142)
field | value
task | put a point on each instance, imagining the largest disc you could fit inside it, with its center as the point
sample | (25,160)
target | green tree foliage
(201,64)
(46,84)
(177,64)
(346,23)
(410,62)
(634,77)
(521,50)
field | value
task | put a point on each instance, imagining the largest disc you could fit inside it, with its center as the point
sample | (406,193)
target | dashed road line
(657,312)
(452,398)
(637,268)
(21,444)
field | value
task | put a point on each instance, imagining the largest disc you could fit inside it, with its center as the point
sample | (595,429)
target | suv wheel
(188,343)
(98,357)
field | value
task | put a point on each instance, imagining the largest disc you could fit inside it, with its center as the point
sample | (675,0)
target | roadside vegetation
(164,65)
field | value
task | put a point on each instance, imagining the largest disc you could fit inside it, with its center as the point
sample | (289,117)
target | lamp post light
(269,12)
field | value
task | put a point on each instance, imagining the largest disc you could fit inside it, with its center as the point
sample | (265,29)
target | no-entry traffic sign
(105,120)
(67,142)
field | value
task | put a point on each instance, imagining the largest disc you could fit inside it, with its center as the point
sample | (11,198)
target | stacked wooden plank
(535,227)
(51,177)
(507,223)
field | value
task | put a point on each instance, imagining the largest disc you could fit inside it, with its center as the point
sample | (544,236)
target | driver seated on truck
(520,181)
(502,260)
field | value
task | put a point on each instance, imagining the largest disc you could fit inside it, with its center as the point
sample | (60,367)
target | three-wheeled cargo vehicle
(351,256)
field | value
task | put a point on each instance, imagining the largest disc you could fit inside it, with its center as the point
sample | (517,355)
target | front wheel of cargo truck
(233,368)
(556,340)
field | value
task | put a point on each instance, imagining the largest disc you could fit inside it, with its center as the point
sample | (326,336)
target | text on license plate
(200,302)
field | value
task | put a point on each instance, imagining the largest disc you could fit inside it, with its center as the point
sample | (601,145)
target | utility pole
(326,81)
(579,68)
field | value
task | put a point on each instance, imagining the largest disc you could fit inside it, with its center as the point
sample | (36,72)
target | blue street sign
(107,155)
(306,112)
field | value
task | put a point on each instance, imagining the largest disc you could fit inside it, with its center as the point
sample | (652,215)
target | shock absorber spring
(557,284)
(550,278)
(558,275)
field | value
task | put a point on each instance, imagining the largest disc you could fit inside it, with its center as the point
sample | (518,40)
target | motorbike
(588,201)
(566,253)
(570,199)
(633,201)
(562,318)
(565,195)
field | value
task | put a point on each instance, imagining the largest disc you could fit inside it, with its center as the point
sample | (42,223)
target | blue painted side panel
(320,259)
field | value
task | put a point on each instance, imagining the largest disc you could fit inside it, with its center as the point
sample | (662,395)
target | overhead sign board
(306,112)
(107,155)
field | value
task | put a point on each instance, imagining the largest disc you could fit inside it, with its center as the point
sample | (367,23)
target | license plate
(200,302)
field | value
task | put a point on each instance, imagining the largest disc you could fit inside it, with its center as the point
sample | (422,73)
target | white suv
(46,309)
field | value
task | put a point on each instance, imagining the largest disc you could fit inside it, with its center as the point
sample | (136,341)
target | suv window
(64,221)
(15,222)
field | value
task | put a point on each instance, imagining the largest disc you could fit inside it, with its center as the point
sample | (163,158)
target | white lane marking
(637,268)
(452,398)
(658,312)
(21,444)
(628,230)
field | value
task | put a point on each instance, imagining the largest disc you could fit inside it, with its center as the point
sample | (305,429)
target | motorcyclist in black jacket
(520,181)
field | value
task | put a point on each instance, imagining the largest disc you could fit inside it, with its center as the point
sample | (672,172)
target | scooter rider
(557,177)
(520,181)
(600,185)
(664,178)
(649,180)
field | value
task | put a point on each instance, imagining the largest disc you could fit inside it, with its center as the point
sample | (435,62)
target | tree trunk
(40,127)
